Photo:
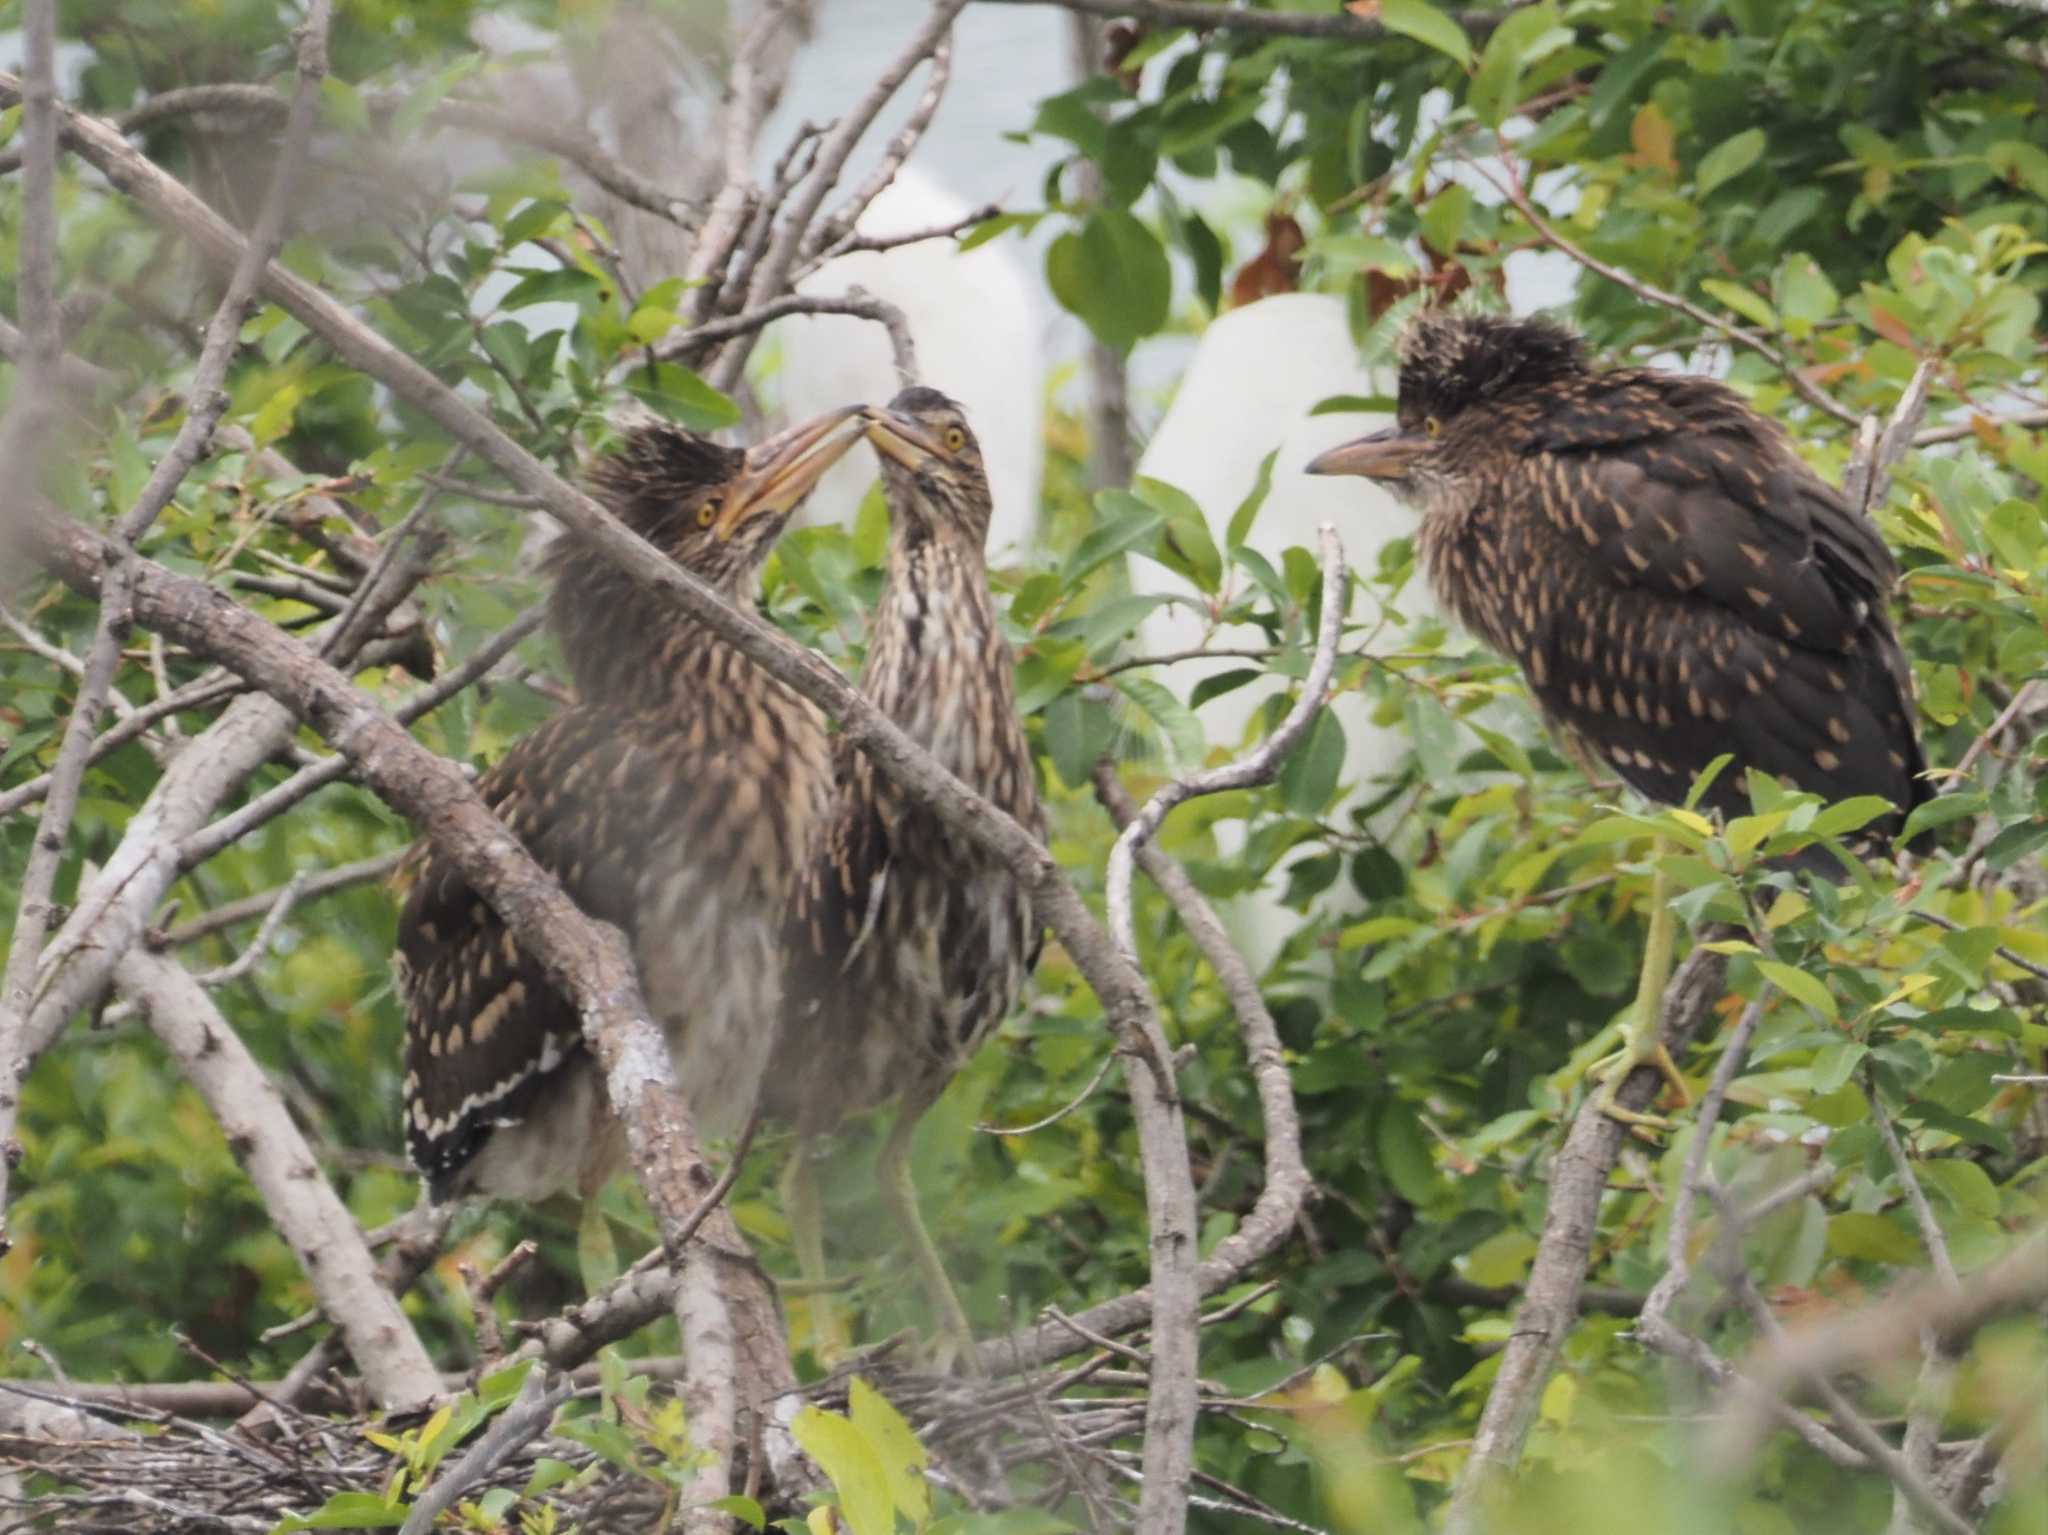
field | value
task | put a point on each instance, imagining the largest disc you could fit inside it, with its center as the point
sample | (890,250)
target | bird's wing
(1728,601)
(483,1023)
(1673,484)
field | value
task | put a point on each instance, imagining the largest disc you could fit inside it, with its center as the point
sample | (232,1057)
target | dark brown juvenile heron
(906,946)
(678,798)
(1674,582)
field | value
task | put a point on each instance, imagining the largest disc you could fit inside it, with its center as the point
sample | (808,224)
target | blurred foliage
(1864,180)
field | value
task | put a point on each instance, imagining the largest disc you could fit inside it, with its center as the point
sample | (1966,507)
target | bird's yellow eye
(955,439)
(708,513)
(1431,425)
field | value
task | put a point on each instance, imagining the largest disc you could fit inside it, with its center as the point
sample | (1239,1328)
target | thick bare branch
(1550,1302)
(302,1204)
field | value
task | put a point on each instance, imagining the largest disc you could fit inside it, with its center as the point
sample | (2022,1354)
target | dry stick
(302,1204)
(1937,1364)
(778,266)
(832,233)
(1550,1301)
(854,301)
(57,656)
(2026,421)
(2022,700)
(524,128)
(951,230)
(1510,186)
(591,964)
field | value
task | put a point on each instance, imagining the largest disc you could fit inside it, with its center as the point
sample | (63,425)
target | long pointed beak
(903,438)
(1382,455)
(781,470)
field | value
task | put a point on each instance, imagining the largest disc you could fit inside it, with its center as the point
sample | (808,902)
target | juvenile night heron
(678,798)
(1672,579)
(907,946)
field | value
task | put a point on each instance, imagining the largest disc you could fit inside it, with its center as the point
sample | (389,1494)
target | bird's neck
(937,663)
(630,647)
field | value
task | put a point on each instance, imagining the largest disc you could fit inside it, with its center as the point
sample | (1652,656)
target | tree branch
(1340,26)
(302,1204)
(1550,1301)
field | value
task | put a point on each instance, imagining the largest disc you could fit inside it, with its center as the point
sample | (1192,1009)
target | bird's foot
(1617,1068)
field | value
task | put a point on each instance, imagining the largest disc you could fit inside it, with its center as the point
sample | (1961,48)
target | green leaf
(1126,523)
(1745,303)
(1850,815)
(345,105)
(849,1461)
(1799,986)
(742,1508)
(1831,1067)
(1309,777)
(1185,543)
(896,1447)
(675,392)
(1114,274)
(1078,730)
(1247,511)
(346,1511)
(1728,159)
(1427,25)
(1404,1154)
(1939,812)
(551,285)
(1176,720)
(1856,1234)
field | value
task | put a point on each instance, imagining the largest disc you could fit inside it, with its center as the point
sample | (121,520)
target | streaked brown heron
(907,946)
(1673,580)
(679,798)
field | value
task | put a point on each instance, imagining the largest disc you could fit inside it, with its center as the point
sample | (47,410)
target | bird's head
(713,509)
(1454,369)
(931,464)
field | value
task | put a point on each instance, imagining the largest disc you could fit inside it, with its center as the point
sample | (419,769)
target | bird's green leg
(831,1339)
(899,1189)
(1641,1045)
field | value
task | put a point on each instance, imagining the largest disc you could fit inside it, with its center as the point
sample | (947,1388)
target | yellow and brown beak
(783,469)
(904,438)
(1383,455)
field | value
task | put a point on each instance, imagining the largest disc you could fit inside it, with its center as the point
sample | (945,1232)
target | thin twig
(773,274)
(1255,767)
(517,1426)
(854,302)
(249,908)
(1336,26)
(230,829)
(1509,185)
